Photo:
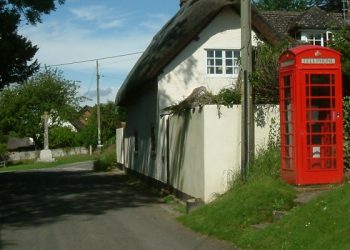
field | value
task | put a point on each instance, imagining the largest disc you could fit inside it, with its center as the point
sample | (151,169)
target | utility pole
(98,107)
(247,123)
(345,8)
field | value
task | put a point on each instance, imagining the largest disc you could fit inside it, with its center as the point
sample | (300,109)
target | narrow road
(71,207)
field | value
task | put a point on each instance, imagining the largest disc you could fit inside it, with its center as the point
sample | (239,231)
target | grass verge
(106,161)
(30,165)
(323,223)
(251,202)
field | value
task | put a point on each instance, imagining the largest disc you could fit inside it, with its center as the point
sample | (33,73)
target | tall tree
(331,5)
(110,116)
(288,5)
(22,106)
(299,5)
(17,52)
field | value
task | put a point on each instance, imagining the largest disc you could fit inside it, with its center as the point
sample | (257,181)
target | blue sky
(83,29)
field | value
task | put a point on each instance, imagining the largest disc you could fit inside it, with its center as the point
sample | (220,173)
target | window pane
(218,70)
(229,62)
(320,79)
(211,62)
(211,70)
(310,36)
(210,53)
(229,54)
(218,62)
(229,71)
(237,53)
(218,53)
(318,36)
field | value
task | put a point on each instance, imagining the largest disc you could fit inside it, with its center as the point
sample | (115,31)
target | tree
(299,5)
(22,106)
(330,5)
(110,116)
(341,43)
(287,5)
(264,78)
(17,52)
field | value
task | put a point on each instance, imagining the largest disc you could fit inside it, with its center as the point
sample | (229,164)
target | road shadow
(38,197)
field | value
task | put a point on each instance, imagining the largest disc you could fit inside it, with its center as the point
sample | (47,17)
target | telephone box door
(323,109)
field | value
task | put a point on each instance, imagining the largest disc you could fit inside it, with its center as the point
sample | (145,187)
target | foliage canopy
(298,5)
(22,106)
(17,52)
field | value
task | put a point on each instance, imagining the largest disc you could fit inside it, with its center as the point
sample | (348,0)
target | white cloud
(103,93)
(112,24)
(90,32)
(91,12)
(63,43)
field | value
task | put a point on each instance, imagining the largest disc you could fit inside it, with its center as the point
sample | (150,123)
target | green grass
(30,165)
(106,161)
(323,223)
(248,203)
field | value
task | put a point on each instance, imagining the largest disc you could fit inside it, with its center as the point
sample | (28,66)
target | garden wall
(59,152)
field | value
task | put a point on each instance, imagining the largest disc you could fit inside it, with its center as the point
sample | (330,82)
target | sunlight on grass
(247,203)
(323,223)
(40,165)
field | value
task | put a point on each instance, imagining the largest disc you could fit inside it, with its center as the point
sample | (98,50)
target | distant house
(199,46)
(81,122)
(313,26)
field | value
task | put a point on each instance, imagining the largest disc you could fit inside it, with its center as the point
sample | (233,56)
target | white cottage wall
(222,148)
(141,117)
(119,142)
(187,153)
(205,148)
(188,70)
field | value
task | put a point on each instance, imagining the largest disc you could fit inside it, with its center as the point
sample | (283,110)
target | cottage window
(222,62)
(316,37)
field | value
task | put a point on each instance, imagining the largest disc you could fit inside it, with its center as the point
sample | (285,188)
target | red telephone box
(311,115)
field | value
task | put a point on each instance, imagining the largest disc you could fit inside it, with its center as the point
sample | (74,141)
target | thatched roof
(284,22)
(184,27)
(193,17)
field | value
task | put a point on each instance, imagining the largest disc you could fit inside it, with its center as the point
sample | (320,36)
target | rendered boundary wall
(59,152)
(204,148)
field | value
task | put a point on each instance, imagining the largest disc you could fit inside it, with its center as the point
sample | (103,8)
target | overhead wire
(99,59)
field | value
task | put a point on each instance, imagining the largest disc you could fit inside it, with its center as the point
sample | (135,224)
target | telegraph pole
(247,123)
(98,107)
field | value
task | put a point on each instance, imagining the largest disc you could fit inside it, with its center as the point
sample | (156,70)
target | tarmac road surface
(71,207)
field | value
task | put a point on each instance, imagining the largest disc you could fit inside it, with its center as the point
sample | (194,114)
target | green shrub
(3,152)
(267,163)
(228,97)
(87,136)
(61,137)
(106,161)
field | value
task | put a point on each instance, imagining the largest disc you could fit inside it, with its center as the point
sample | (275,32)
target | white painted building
(198,154)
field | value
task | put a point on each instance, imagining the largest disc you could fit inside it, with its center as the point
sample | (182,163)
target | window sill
(222,76)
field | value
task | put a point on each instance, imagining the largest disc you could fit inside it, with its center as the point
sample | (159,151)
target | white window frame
(325,36)
(226,61)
